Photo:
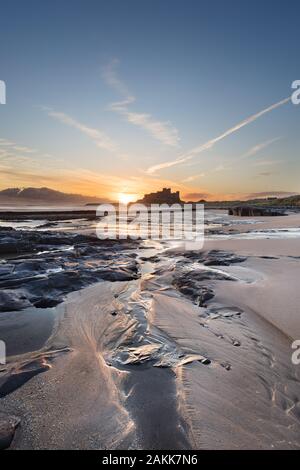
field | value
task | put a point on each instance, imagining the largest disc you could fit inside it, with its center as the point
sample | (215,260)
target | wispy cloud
(110,76)
(259,147)
(24,149)
(222,168)
(163,131)
(250,153)
(99,137)
(14,155)
(18,148)
(267,162)
(196,196)
(209,144)
(266,173)
(6,143)
(192,178)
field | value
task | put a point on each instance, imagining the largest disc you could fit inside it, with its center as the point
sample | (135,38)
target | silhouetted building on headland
(161,197)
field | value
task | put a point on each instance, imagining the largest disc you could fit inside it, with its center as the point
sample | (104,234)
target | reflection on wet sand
(149,345)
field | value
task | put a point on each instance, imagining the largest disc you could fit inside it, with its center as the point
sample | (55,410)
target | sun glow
(125,198)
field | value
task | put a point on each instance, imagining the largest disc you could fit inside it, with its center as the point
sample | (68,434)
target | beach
(151,346)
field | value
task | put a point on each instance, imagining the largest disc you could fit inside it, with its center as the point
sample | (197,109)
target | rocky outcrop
(251,211)
(208,258)
(45,266)
(8,426)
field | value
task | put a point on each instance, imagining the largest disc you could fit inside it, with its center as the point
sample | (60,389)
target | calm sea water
(215,221)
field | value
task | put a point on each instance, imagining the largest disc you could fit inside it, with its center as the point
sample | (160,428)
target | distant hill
(290,201)
(166,196)
(42,195)
(286,201)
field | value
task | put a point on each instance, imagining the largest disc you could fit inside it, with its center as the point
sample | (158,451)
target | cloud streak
(192,178)
(259,147)
(18,148)
(99,137)
(209,144)
(267,162)
(250,153)
(266,173)
(163,131)
(13,154)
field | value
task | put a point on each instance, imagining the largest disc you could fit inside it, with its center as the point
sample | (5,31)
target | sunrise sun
(125,198)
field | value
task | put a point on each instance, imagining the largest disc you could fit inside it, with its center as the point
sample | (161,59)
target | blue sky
(101,95)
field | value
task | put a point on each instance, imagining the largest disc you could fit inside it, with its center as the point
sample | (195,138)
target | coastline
(138,364)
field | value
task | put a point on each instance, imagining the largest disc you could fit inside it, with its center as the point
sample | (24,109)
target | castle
(161,197)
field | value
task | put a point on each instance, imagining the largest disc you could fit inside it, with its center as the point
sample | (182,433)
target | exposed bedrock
(8,426)
(196,283)
(41,268)
(208,258)
(193,284)
(251,211)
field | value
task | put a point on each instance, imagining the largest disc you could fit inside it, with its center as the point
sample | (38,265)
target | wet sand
(247,397)
(26,331)
(83,401)
(76,403)
(139,364)
(263,223)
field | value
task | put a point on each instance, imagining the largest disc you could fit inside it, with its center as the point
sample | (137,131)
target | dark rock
(215,262)
(46,303)
(205,294)
(205,361)
(8,426)
(11,246)
(11,300)
(203,275)
(197,293)
(253,211)
(226,365)
(49,265)
(188,291)
(211,258)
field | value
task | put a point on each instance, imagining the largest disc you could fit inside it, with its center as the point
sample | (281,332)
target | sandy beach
(181,350)
(150,230)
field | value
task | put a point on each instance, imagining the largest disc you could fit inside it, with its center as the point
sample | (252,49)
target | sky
(131,96)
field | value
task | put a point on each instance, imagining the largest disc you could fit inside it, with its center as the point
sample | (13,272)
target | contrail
(189,155)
